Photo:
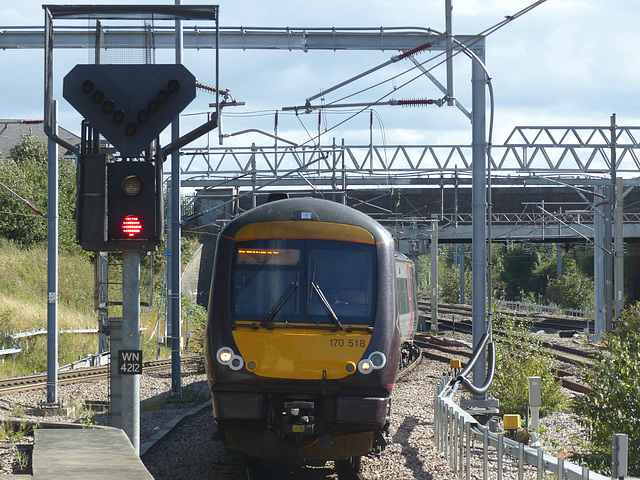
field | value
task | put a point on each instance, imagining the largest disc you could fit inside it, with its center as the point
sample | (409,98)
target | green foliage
(520,356)
(25,173)
(614,406)
(518,265)
(572,289)
(197,323)
(448,274)
(519,273)
(628,324)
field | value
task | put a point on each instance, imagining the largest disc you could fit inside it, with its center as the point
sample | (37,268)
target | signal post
(120,196)
(119,202)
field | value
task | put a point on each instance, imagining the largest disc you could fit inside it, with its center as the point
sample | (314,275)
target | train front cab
(303,347)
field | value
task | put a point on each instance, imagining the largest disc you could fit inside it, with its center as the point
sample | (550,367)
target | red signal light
(131,226)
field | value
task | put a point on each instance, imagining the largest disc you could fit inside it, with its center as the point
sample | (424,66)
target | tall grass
(23,306)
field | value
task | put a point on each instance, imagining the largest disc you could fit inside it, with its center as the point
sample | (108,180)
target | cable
(465,50)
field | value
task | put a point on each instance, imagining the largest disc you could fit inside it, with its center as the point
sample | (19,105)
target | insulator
(416,102)
(415,50)
(207,88)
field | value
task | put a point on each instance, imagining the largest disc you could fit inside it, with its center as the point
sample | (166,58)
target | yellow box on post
(511,421)
(455,363)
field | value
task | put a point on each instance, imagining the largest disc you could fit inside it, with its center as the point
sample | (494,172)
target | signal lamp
(97,96)
(153,106)
(108,106)
(87,86)
(132,185)
(143,116)
(131,226)
(131,129)
(118,116)
(173,85)
(163,96)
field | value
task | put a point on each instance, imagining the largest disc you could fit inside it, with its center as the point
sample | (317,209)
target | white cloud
(567,62)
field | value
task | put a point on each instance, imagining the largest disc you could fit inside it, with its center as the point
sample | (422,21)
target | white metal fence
(457,434)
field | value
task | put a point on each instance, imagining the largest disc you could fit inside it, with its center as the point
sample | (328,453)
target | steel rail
(33,382)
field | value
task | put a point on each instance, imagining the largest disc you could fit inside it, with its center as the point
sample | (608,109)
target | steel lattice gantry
(577,151)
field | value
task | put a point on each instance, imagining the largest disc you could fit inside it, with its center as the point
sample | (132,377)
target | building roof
(12,130)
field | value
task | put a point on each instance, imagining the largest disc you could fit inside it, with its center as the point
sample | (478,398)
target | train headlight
(364,366)
(226,357)
(376,361)
(236,363)
(225,354)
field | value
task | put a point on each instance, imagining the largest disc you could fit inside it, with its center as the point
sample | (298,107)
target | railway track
(33,382)
(445,350)
(540,320)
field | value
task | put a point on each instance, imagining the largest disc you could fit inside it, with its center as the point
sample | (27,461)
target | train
(311,315)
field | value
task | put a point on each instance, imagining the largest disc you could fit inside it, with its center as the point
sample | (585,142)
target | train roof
(308,209)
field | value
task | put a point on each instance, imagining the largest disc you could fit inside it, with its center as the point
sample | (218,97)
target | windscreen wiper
(279,304)
(326,305)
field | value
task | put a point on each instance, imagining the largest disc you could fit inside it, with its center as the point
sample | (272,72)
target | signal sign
(129,362)
(129,104)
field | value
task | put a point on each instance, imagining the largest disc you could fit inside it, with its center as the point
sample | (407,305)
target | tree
(518,266)
(572,289)
(614,405)
(25,172)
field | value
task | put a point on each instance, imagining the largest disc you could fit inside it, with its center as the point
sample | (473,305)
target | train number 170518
(350,343)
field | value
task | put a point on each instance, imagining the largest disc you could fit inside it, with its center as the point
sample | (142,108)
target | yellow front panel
(300,354)
(304,229)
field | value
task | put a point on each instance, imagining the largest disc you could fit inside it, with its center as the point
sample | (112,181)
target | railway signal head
(129,104)
(132,206)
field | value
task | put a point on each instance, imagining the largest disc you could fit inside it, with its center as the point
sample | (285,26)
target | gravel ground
(190,451)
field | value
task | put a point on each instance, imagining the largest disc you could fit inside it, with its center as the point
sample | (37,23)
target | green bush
(572,289)
(518,357)
(628,324)
(614,405)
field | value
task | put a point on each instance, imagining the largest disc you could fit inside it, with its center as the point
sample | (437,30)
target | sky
(565,63)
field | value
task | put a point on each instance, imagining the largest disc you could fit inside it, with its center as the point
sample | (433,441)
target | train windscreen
(302,281)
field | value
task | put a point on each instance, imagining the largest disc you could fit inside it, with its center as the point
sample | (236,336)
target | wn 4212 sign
(129,362)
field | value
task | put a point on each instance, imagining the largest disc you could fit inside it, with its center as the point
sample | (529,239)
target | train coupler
(298,417)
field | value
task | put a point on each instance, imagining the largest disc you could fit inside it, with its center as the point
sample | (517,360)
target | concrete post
(433,287)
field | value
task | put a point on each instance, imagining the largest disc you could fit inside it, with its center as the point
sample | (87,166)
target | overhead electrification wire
(465,49)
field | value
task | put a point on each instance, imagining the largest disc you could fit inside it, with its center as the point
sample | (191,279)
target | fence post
(467,428)
(454,441)
(619,455)
(485,450)
(540,465)
(500,454)
(461,448)
(436,420)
